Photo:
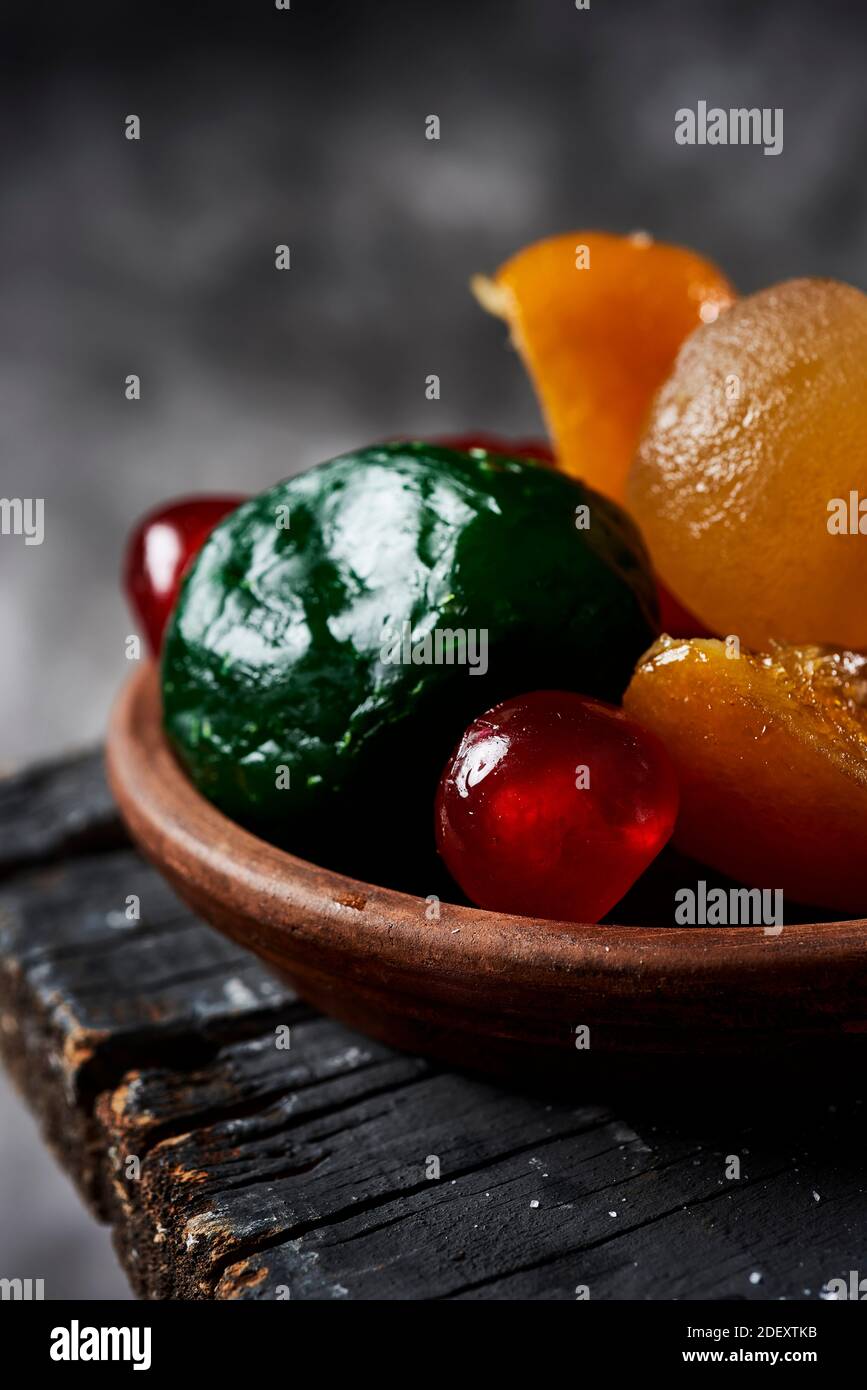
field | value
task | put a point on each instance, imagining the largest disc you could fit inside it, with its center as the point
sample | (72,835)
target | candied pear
(750,481)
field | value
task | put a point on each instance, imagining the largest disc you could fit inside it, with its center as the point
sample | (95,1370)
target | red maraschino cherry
(552,805)
(159,551)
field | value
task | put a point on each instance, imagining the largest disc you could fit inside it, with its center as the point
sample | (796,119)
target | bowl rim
(186,836)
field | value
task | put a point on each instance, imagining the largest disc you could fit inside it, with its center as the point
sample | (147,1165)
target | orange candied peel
(771,754)
(598,320)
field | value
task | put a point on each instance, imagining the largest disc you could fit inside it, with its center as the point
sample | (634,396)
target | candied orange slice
(771,752)
(598,320)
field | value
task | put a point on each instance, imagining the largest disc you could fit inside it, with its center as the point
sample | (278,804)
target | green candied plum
(287,646)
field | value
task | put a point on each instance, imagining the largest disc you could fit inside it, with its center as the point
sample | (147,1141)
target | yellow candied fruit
(771,753)
(750,481)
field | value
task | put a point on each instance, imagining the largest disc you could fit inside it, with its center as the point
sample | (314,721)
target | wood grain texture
(50,808)
(483,989)
(265,1173)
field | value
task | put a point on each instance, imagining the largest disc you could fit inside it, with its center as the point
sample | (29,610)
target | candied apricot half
(771,754)
(750,481)
(598,320)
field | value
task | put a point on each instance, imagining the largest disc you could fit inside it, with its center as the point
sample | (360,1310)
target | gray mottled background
(307,127)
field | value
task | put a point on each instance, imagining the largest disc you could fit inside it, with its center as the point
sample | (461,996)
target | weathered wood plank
(328,1218)
(55,808)
(87,993)
(232,1167)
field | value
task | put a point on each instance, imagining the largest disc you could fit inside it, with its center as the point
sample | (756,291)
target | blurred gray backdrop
(307,127)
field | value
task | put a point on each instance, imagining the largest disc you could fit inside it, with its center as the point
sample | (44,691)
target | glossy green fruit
(286,657)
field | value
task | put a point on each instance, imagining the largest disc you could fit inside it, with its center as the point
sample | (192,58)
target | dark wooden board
(232,1168)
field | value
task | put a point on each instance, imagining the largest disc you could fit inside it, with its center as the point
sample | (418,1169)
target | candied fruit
(598,319)
(771,755)
(159,552)
(552,805)
(755,445)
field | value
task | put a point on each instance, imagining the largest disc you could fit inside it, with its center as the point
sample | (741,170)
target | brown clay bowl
(481,989)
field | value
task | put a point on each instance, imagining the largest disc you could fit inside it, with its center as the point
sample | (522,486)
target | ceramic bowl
(481,989)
